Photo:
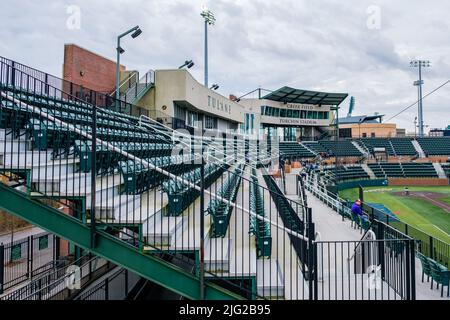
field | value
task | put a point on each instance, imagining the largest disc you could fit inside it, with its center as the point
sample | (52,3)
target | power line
(412,105)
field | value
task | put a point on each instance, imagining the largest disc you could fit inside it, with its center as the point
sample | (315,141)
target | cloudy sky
(355,46)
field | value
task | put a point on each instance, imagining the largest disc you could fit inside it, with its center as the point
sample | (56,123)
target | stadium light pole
(209,20)
(415,127)
(337,146)
(420,64)
(136,32)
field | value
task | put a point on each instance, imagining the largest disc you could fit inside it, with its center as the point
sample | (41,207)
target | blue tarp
(383,209)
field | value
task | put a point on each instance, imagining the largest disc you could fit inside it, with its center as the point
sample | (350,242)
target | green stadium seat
(343,148)
(435,146)
(294,150)
(441,275)
(426,267)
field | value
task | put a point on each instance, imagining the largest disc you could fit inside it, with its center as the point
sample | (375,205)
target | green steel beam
(108,247)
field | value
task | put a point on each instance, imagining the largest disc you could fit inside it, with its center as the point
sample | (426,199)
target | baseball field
(425,208)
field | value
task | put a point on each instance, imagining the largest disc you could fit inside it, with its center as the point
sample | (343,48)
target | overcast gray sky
(356,46)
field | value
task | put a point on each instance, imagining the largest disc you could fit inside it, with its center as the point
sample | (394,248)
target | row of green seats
(436,271)
(181,195)
(260,228)
(81,113)
(107,159)
(13,116)
(221,211)
(139,178)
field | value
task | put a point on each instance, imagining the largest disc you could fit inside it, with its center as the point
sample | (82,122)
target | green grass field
(416,212)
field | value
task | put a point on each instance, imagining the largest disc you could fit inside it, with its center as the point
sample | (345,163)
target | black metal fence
(115,286)
(100,99)
(24,259)
(365,270)
(135,187)
(426,244)
(221,219)
(63,281)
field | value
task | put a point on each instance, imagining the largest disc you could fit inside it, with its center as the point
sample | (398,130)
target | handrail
(147,164)
(190,137)
(128,79)
(63,278)
(49,273)
(133,90)
(366,233)
(67,87)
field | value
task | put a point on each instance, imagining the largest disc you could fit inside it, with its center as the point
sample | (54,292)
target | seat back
(424,261)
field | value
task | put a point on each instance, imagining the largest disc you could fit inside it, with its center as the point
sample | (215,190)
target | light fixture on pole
(135,32)
(415,127)
(214,87)
(209,20)
(188,63)
(420,64)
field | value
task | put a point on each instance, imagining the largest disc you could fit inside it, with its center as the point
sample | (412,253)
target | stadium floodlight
(135,32)
(209,18)
(214,87)
(420,64)
(188,63)
(208,15)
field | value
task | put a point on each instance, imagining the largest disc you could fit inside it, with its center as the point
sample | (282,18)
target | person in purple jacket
(356,210)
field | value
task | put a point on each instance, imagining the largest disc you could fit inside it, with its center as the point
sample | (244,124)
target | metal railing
(380,269)
(47,142)
(136,88)
(115,286)
(24,259)
(65,280)
(50,82)
(121,177)
(425,243)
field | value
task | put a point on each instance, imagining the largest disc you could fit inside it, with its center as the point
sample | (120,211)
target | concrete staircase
(418,148)
(439,170)
(368,171)
(361,149)
(310,150)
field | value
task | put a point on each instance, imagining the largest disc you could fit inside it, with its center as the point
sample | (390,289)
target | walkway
(331,227)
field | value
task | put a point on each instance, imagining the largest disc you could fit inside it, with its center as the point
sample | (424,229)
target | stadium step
(440,171)
(148,266)
(368,171)
(310,150)
(418,148)
(361,149)
(24,159)
(270,279)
